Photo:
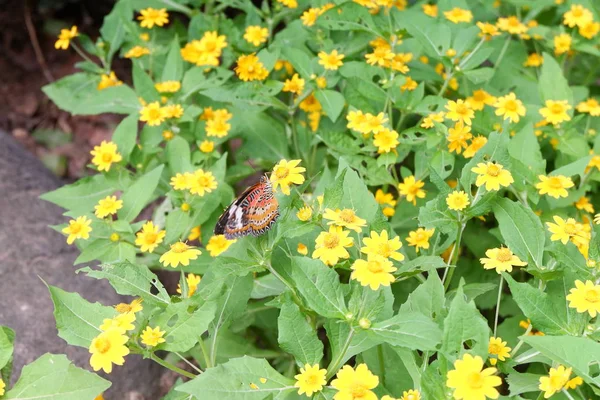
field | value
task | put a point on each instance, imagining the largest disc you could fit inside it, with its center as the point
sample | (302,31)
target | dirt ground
(28,61)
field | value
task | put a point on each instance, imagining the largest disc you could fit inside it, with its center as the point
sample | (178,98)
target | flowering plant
(436,168)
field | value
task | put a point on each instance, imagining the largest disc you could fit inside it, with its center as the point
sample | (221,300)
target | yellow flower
(294,85)
(217,127)
(357,121)
(218,244)
(310,380)
(330,246)
(533,332)
(562,43)
(137,52)
(289,3)
(207,146)
(108,206)
(314,118)
(182,181)
(554,186)
(480,99)
(78,229)
(149,237)
(492,175)
(458,15)
(590,106)
(385,198)
(555,381)
(331,61)
(375,272)
(458,136)
(457,200)
(555,112)
(304,214)
(386,140)
(108,348)
(302,249)
(373,123)
(256,35)
(501,259)
(578,15)
(108,80)
(470,381)
(487,30)
(355,384)
(411,394)
(202,182)
(282,64)
(249,68)
(192,283)
(122,323)
(411,189)
(589,30)
(2,386)
(321,82)
(195,233)
(180,253)
(476,144)
(499,349)
(409,84)
(459,111)
(380,56)
(509,107)
(565,230)
(168,86)
(206,51)
(64,38)
(379,244)
(573,383)
(428,121)
(310,104)
(534,60)
(309,17)
(286,173)
(512,25)
(430,10)
(173,111)
(133,307)
(153,114)
(105,155)
(185,207)
(168,135)
(152,337)
(152,16)
(585,297)
(584,204)
(420,238)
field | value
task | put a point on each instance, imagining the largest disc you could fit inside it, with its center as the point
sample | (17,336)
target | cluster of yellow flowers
(154,114)
(384,138)
(206,51)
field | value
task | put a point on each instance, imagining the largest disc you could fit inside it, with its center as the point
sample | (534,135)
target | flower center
(374,267)
(493,170)
(504,255)
(358,391)
(312,380)
(347,216)
(384,250)
(557,382)
(102,345)
(179,247)
(282,172)
(475,380)
(203,181)
(123,308)
(154,113)
(592,295)
(461,109)
(510,105)
(494,349)
(413,190)
(577,13)
(555,183)
(107,157)
(420,237)
(331,240)
(75,228)
(556,109)
(151,237)
(570,229)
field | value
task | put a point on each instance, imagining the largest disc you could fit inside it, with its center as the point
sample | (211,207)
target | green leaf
(7,338)
(77,320)
(139,194)
(427,299)
(464,323)
(297,337)
(299,60)
(552,84)
(183,328)
(523,383)
(173,70)
(262,135)
(580,353)
(436,215)
(521,229)
(195,79)
(408,329)
(341,334)
(525,147)
(125,135)
(132,280)
(332,102)
(494,150)
(177,225)
(144,86)
(53,377)
(81,195)
(178,155)
(481,75)
(320,287)
(232,380)
(113,29)
(356,194)
(547,313)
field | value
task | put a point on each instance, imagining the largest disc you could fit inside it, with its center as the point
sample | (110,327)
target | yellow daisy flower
(122,322)
(430,10)
(498,350)
(108,206)
(562,43)
(192,281)
(151,16)
(168,86)
(108,80)
(180,253)
(202,182)
(331,61)
(345,218)
(149,237)
(411,189)
(457,200)
(305,213)
(591,106)
(286,173)
(294,85)
(64,38)
(492,175)
(218,244)
(578,15)
(501,259)
(557,378)
(330,246)
(108,348)
(458,15)
(458,136)
(459,111)
(152,337)
(310,380)
(479,99)
(374,272)
(133,307)
(379,244)
(585,297)
(509,107)
(584,204)
(565,230)
(469,381)
(534,60)
(249,68)
(105,155)
(153,114)
(256,35)
(386,140)
(554,186)
(555,112)
(78,228)
(351,381)
(420,238)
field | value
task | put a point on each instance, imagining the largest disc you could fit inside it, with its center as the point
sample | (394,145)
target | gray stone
(30,250)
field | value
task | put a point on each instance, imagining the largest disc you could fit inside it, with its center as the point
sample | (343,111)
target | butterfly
(253,213)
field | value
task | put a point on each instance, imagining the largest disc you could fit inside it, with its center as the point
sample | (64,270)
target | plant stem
(567,394)
(464,62)
(188,362)
(209,363)
(518,346)
(170,366)
(287,284)
(502,52)
(81,53)
(448,272)
(335,365)
(498,304)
